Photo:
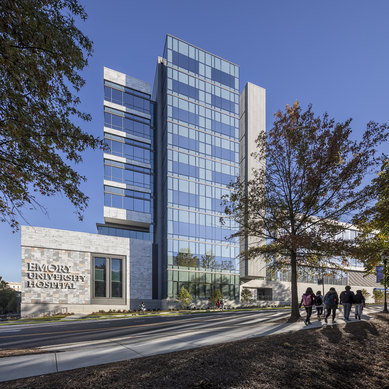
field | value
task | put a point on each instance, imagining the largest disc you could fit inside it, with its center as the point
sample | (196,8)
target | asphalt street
(72,345)
(61,333)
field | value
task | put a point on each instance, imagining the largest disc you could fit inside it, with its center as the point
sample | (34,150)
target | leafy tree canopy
(41,55)
(291,207)
(9,298)
(374,224)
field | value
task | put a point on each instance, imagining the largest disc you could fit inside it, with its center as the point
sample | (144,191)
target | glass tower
(197,95)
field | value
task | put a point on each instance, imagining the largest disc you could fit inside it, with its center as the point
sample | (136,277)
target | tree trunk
(295,315)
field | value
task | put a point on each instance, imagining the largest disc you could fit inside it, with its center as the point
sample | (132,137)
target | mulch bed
(355,355)
(17,352)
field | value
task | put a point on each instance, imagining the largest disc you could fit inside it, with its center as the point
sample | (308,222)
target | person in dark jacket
(346,299)
(359,303)
(319,302)
(308,300)
(331,301)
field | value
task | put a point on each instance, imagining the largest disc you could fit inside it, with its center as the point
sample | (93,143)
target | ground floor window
(264,294)
(108,278)
(201,284)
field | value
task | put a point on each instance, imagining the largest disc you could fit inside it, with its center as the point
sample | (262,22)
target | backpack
(307,300)
(319,300)
(330,300)
(358,298)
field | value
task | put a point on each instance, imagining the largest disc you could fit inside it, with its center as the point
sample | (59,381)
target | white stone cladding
(63,260)
(252,122)
(126,80)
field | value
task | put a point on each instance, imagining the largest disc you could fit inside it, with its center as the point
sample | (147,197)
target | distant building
(15,285)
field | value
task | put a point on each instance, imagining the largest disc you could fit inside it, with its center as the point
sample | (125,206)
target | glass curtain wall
(202,159)
(134,142)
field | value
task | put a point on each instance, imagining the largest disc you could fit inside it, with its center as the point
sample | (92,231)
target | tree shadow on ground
(323,358)
(332,333)
(361,331)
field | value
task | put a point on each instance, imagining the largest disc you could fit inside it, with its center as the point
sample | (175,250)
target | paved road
(73,345)
(61,333)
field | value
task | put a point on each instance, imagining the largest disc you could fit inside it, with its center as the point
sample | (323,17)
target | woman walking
(359,303)
(308,300)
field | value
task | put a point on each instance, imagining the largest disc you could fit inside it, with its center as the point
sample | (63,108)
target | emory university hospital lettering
(51,276)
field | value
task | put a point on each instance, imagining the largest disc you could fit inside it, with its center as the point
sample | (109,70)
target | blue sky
(333,54)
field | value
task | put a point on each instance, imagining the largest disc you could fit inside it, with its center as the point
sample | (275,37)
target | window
(264,294)
(108,279)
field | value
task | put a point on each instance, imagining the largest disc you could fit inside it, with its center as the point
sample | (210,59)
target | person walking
(319,302)
(218,304)
(359,303)
(308,300)
(346,299)
(331,301)
(142,307)
(222,304)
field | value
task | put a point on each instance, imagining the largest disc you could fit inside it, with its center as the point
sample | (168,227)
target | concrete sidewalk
(78,355)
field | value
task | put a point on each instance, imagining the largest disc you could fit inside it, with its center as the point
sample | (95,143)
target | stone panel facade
(55,276)
(141,270)
(57,270)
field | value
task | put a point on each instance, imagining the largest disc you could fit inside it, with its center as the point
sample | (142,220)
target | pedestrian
(319,302)
(218,304)
(359,303)
(331,301)
(346,299)
(142,307)
(222,304)
(308,300)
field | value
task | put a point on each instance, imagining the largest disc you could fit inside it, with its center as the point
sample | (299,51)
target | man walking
(346,299)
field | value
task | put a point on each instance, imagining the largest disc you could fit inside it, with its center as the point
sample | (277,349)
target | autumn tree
(42,53)
(290,210)
(186,258)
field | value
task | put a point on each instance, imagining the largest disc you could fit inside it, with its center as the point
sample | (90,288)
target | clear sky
(333,54)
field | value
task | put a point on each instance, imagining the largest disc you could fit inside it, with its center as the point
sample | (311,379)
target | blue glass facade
(201,157)
(194,146)
(128,158)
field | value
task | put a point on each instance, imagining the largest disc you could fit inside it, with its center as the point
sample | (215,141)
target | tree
(184,297)
(41,55)
(216,294)
(9,298)
(186,258)
(291,210)
(246,295)
(378,295)
(365,294)
(373,223)
(208,261)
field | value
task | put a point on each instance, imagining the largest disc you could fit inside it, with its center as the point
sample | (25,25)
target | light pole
(385,258)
